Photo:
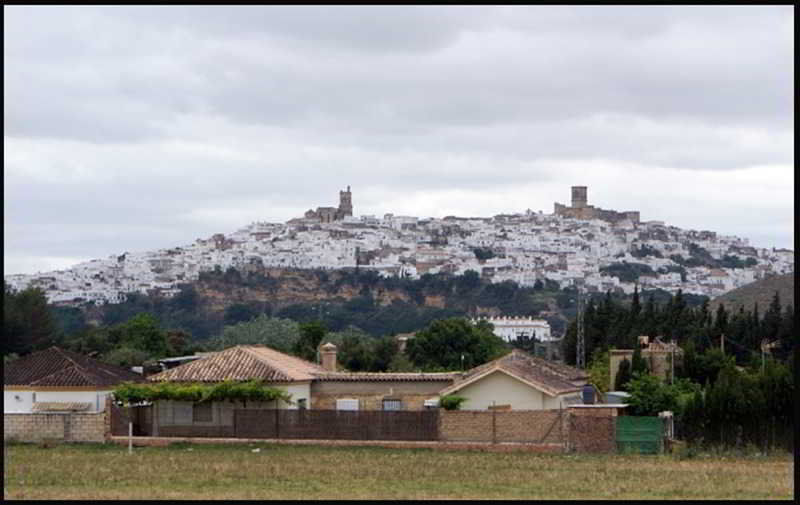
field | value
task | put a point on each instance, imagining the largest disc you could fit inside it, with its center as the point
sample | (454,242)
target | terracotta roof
(58,367)
(552,378)
(241,363)
(385,376)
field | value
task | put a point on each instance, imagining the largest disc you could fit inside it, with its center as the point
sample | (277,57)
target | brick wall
(371,394)
(543,426)
(68,427)
(592,429)
(370,401)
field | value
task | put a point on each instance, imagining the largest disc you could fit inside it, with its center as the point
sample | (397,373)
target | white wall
(502,389)
(17,401)
(298,391)
(25,403)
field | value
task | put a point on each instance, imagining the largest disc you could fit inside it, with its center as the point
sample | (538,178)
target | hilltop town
(602,249)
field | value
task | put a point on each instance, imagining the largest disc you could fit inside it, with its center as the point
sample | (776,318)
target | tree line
(733,397)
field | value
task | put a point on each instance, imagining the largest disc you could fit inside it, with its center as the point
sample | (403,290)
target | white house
(510,328)
(57,380)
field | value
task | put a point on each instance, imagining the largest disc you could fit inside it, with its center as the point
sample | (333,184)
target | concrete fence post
(494,423)
(277,422)
(107,419)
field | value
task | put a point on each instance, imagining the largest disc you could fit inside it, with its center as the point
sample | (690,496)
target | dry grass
(85,472)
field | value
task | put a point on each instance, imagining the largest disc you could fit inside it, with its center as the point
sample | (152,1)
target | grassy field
(313,472)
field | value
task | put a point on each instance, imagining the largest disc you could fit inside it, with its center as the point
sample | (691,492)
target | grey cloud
(156,117)
(198,60)
(365,28)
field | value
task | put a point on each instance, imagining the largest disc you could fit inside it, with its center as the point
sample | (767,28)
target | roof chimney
(329,357)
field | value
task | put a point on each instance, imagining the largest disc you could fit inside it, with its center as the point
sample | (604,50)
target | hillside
(521,248)
(760,292)
(340,298)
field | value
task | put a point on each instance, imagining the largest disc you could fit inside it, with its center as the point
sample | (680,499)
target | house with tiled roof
(516,381)
(57,380)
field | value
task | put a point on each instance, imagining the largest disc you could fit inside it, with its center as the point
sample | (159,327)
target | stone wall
(541,426)
(72,427)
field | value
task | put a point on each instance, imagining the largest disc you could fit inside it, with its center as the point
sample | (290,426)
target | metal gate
(640,434)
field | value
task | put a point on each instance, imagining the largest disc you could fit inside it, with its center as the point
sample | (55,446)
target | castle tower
(345,203)
(578,197)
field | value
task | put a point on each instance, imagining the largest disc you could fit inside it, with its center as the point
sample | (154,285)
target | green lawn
(96,471)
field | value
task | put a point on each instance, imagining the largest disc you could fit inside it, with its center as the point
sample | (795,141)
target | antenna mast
(580,353)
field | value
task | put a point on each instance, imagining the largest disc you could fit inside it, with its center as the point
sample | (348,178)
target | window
(201,412)
(346,404)
(389,404)
(302,404)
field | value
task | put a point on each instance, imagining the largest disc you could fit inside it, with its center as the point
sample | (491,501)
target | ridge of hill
(760,291)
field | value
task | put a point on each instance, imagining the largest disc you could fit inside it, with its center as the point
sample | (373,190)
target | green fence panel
(639,434)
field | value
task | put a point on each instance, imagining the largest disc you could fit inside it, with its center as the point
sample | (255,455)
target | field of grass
(183,471)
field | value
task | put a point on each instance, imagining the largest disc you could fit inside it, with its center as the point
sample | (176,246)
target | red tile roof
(385,376)
(241,363)
(58,367)
(553,378)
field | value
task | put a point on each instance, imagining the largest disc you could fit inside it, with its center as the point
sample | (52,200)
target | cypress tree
(623,375)
(638,364)
(721,321)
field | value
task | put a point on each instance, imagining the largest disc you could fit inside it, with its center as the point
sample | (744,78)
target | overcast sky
(143,127)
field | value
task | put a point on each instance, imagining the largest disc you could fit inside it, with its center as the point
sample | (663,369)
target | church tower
(345,203)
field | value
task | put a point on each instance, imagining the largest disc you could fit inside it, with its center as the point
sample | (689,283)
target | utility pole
(672,364)
(580,355)
(722,345)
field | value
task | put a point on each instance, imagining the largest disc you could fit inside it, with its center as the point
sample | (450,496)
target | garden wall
(542,426)
(69,427)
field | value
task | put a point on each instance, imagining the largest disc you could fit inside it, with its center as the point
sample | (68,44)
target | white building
(510,328)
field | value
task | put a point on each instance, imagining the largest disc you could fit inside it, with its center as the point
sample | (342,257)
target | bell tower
(345,203)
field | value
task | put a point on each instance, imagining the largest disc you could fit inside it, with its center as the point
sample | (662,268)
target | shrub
(451,402)
(129,393)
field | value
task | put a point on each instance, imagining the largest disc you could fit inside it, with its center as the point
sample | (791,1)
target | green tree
(143,333)
(28,323)
(623,375)
(353,349)
(239,312)
(384,351)
(443,343)
(599,370)
(311,335)
(649,396)
(178,342)
(638,363)
(693,419)
(279,334)
(125,357)
(401,363)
